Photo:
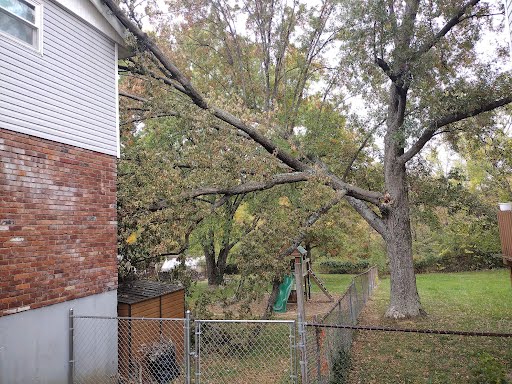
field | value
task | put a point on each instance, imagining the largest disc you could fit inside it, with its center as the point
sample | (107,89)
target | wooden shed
(505,226)
(137,337)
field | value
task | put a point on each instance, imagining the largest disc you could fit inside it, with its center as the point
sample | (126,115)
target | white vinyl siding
(508,21)
(68,94)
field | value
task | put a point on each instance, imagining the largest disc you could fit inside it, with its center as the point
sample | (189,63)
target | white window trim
(38,24)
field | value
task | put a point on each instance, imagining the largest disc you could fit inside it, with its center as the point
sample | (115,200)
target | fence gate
(122,350)
(248,351)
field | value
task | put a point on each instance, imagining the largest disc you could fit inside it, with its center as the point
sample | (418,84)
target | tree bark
(272,298)
(209,255)
(404,299)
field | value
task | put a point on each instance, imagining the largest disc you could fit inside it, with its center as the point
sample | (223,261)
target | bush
(450,262)
(231,269)
(340,368)
(343,267)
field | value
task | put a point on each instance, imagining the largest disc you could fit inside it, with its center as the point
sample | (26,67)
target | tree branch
(361,147)
(456,19)
(449,119)
(284,178)
(369,215)
(198,99)
(132,96)
(141,119)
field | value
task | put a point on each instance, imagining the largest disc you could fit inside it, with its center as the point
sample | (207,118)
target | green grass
(480,301)
(336,284)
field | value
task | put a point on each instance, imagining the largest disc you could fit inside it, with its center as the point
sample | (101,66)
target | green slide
(284,292)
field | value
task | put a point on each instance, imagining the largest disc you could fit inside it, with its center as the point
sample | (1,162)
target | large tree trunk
(212,272)
(404,301)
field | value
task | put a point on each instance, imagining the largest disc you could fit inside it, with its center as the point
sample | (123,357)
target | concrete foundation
(34,345)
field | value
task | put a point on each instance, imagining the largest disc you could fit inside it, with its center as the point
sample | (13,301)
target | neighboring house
(59,143)
(508,20)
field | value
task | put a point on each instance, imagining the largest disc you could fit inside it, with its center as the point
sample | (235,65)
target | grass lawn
(480,301)
(336,284)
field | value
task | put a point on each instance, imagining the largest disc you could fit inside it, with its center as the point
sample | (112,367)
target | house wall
(86,10)
(58,228)
(34,345)
(508,21)
(67,93)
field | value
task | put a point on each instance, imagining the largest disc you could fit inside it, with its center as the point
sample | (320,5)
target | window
(21,19)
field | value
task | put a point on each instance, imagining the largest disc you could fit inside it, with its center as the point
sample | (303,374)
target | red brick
(62,201)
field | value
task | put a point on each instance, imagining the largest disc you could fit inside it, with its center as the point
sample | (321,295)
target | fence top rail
(410,330)
(247,321)
(126,318)
(345,293)
(365,272)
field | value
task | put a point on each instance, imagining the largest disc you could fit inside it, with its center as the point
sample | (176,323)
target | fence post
(187,347)
(71,335)
(318,351)
(351,306)
(301,320)
(198,349)
(293,352)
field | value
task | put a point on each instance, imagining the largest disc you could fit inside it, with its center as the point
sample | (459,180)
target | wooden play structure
(286,292)
(505,226)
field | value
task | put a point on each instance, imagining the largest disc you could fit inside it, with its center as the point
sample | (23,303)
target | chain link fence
(157,351)
(245,352)
(127,350)
(160,350)
(328,349)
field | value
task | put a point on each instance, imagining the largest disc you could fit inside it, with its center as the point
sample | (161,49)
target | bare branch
(449,119)
(132,96)
(141,119)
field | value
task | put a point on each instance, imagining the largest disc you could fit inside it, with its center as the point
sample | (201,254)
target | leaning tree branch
(374,220)
(251,186)
(199,100)
(449,119)
(456,19)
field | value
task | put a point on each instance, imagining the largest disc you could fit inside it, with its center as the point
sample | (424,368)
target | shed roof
(141,290)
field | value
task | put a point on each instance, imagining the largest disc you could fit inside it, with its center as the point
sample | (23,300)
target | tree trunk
(276,282)
(404,300)
(209,255)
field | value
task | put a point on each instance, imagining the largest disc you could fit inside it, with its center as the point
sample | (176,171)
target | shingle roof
(139,290)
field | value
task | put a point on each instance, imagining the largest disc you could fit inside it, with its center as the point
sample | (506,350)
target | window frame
(37,26)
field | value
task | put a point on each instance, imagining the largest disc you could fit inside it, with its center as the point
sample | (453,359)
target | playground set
(287,293)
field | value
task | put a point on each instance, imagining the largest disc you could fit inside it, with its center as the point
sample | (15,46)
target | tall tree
(416,64)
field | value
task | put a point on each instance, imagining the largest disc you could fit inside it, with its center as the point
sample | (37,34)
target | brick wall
(57,222)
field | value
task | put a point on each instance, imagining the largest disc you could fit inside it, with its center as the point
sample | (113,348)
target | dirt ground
(318,305)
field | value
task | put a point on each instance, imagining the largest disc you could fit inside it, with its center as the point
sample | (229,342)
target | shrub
(340,367)
(460,262)
(343,267)
(231,269)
